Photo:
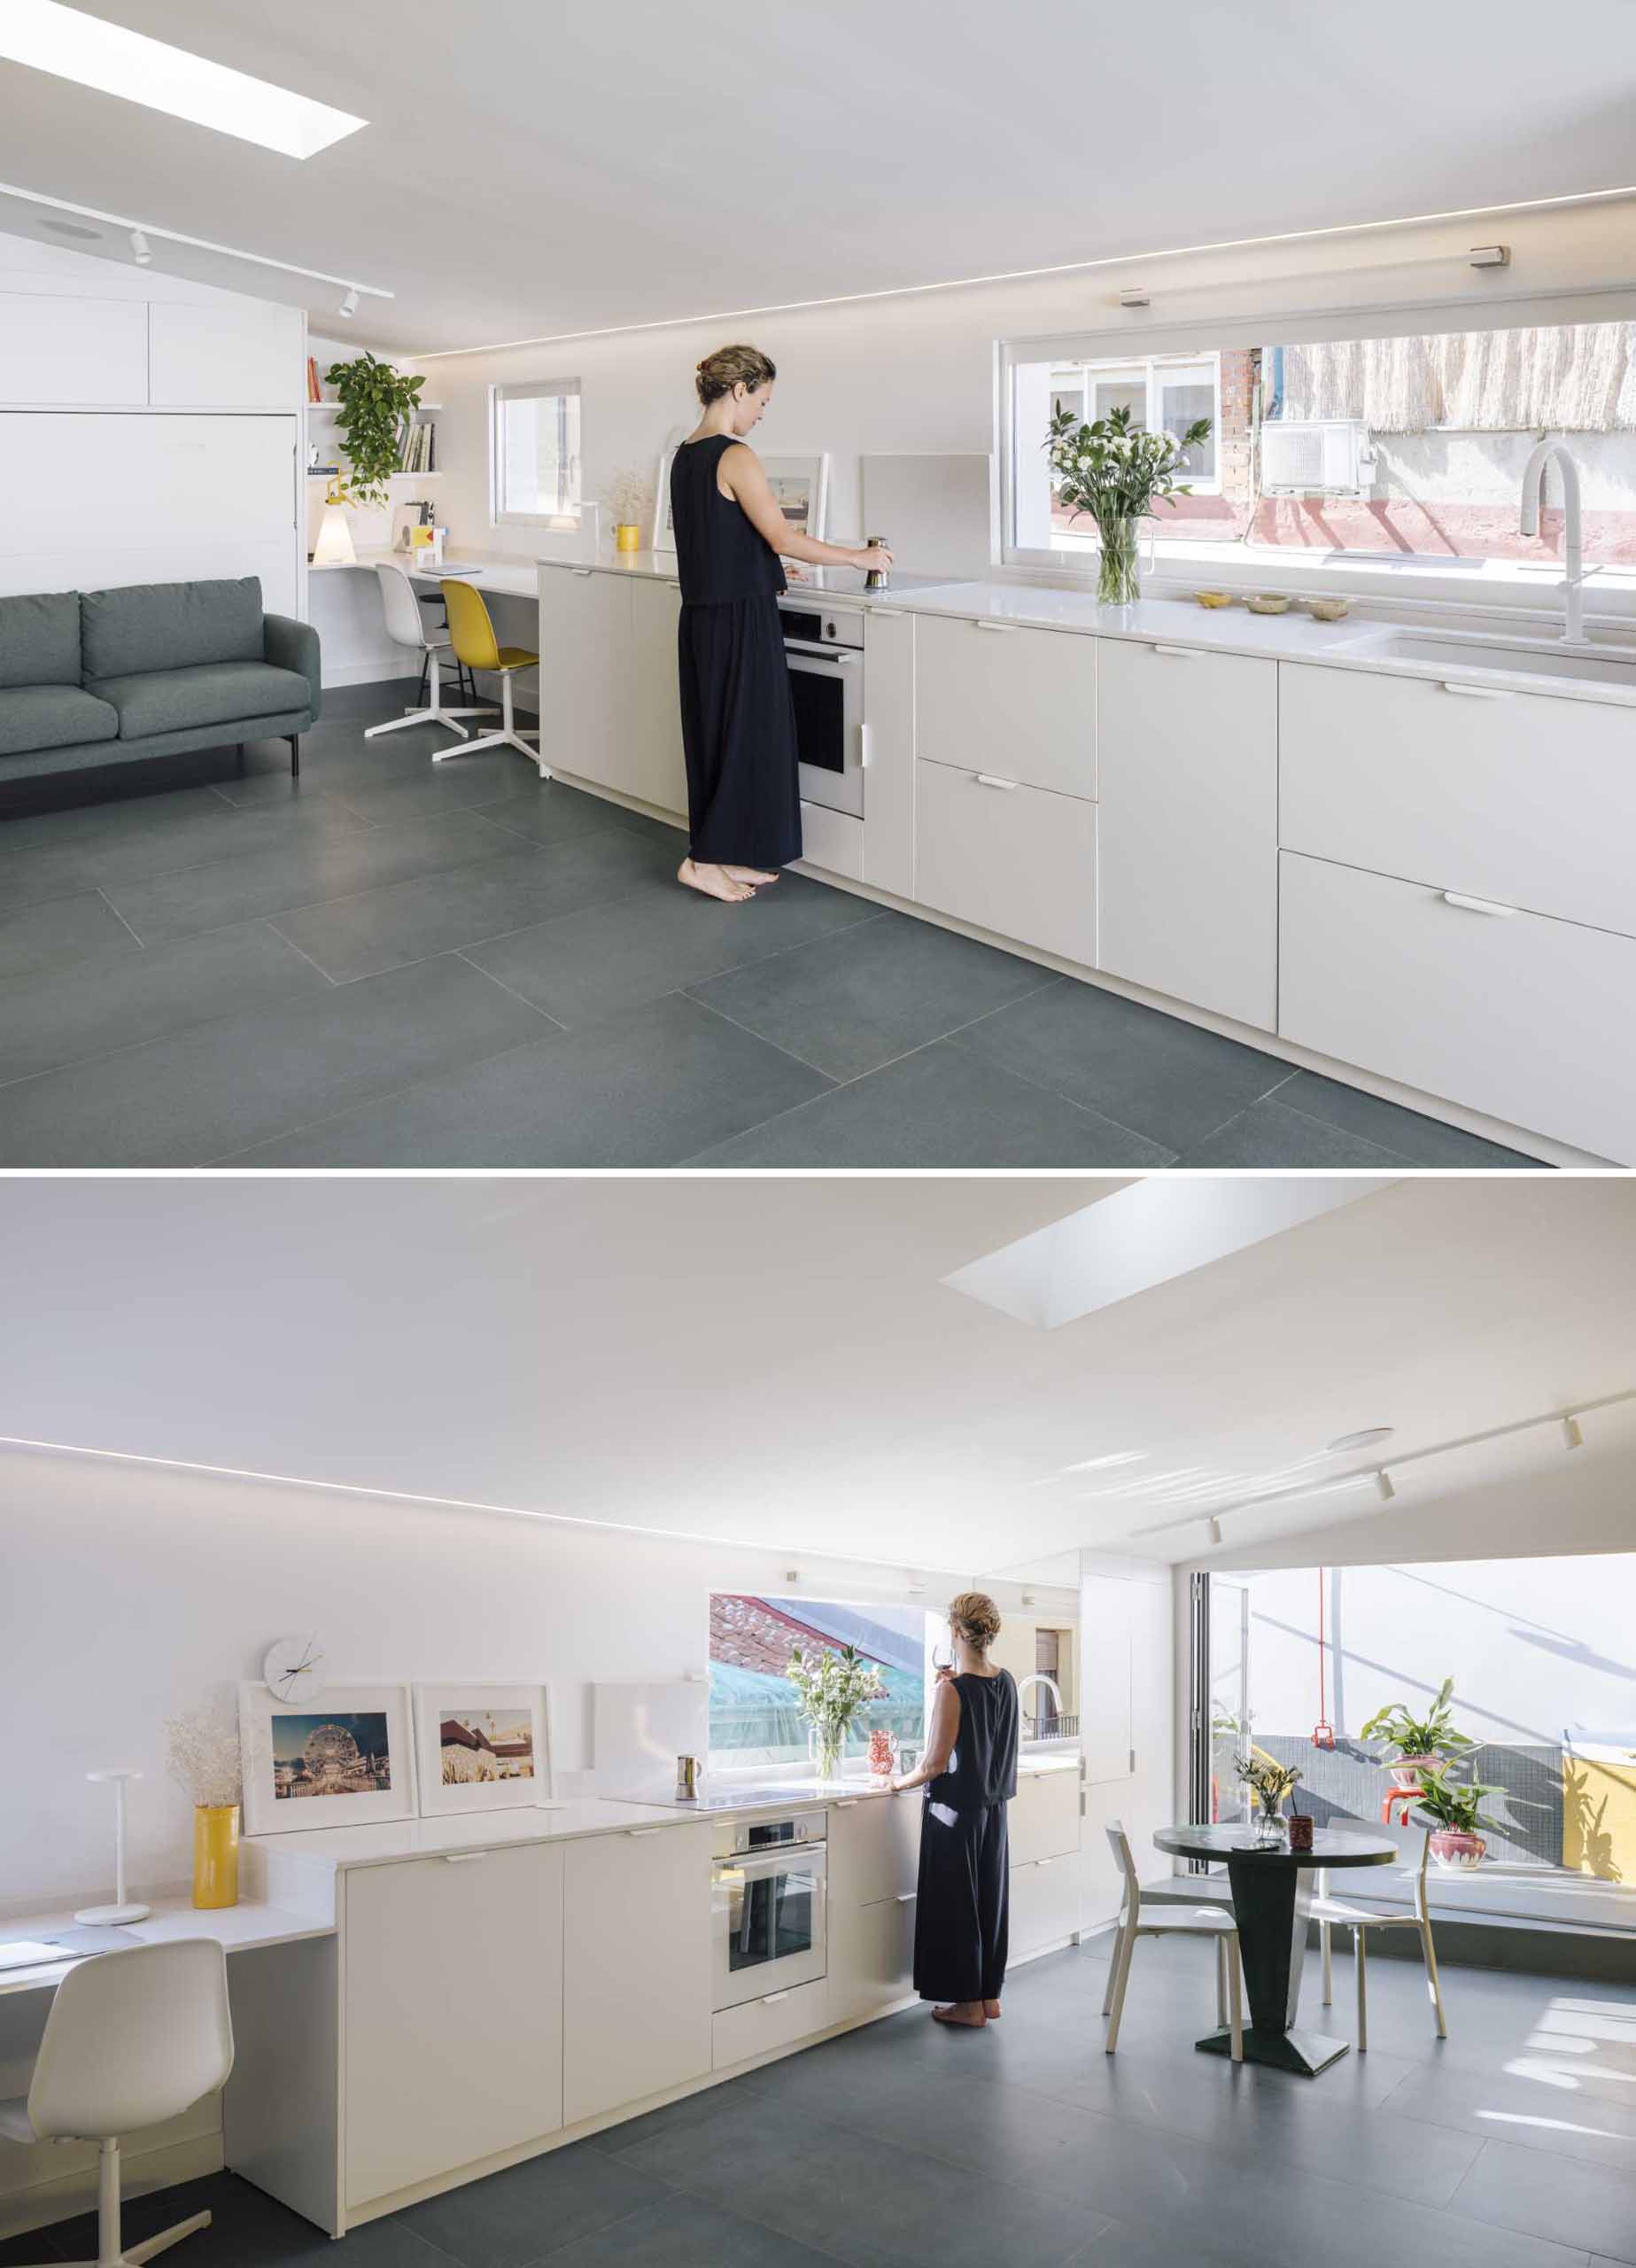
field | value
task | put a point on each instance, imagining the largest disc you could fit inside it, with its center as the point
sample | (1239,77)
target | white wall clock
(294,1667)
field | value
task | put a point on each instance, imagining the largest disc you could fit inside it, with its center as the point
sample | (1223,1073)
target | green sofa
(95,677)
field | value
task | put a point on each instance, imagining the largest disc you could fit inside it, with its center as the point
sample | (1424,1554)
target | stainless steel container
(878,578)
(687,1778)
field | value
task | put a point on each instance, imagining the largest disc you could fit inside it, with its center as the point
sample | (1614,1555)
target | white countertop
(502,573)
(493,1830)
(239,1928)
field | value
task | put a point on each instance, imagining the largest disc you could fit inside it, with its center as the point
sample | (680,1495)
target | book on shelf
(313,392)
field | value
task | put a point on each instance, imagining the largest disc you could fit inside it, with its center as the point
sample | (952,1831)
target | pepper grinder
(878,578)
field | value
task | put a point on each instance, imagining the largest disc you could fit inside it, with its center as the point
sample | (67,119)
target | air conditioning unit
(1330,455)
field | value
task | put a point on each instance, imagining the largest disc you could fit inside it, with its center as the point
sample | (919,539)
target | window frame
(532,390)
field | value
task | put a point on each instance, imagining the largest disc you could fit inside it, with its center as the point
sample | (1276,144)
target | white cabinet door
(1515,797)
(761,2027)
(1187,838)
(224,356)
(452,2007)
(637,1962)
(81,353)
(1044,1904)
(1008,857)
(656,773)
(586,706)
(889,850)
(871,1956)
(1106,1738)
(1525,1019)
(1045,1820)
(1005,699)
(874,1847)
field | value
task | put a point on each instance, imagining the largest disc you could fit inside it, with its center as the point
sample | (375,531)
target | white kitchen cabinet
(871,1956)
(888,846)
(78,353)
(1108,1737)
(760,2027)
(874,1847)
(653,767)
(1002,698)
(587,705)
(1523,1018)
(637,1991)
(1044,1821)
(453,2013)
(1044,1903)
(1515,797)
(1187,833)
(213,356)
(1008,857)
(832,839)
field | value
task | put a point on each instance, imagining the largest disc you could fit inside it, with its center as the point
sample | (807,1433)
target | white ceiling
(777,1362)
(532,169)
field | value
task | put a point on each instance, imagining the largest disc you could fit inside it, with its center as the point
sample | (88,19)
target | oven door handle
(822,653)
(786,1858)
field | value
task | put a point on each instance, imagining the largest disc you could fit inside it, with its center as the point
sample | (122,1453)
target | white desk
(506,572)
(237,1929)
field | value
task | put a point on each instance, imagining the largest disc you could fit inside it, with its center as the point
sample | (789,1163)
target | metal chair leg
(1220,1984)
(1360,1938)
(1235,1996)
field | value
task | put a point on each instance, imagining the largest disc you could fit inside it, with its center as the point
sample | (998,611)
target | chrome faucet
(1573,526)
(1038,1677)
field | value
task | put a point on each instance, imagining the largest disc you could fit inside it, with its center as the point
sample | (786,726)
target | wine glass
(943,1656)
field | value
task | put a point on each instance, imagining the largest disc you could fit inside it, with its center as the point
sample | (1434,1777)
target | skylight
(70,45)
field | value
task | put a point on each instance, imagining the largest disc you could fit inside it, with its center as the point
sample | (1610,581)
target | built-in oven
(824,651)
(769,1903)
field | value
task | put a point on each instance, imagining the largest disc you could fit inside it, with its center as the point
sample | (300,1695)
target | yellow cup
(627,537)
(215,1855)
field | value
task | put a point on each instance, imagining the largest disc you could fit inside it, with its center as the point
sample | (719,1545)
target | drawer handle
(906,1897)
(771,1999)
(1006,626)
(635,1832)
(845,1802)
(1180,653)
(582,570)
(989,779)
(887,613)
(462,1858)
(1478,906)
(1477,692)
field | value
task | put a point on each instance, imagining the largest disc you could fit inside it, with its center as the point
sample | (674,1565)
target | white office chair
(406,626)
(1331,1913)
(132,2037)
(1156,1920)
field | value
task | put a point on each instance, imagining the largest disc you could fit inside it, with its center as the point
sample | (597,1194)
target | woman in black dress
(969,1773)
(738,719)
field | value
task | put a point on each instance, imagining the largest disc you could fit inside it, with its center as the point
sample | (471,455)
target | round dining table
(1272,1905)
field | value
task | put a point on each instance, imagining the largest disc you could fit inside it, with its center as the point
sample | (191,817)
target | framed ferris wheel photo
(341,1757)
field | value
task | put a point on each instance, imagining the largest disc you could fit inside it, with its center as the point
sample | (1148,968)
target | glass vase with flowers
(1114,471)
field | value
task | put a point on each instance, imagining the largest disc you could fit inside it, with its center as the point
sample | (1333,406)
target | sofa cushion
(170,625)
(40,638)
(51,716)
(214,693)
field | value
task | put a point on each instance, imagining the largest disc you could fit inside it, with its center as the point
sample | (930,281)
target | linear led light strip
(1031,274)
(1568,1419)
(199,244)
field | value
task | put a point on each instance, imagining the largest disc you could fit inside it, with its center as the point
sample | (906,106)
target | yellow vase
(627,537)
(215,1855)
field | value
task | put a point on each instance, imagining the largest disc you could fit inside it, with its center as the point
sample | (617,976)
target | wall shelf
(313,474)
(419,405)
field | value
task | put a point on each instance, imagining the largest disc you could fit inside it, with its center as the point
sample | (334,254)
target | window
(754,1718)
(1387,452)
(534,453)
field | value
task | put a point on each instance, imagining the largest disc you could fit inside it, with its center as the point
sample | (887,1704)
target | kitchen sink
(1473,654)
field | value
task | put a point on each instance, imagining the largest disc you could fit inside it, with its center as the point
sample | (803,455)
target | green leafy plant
(832,1685)
(1116,471)
(1456,1807)
(1271,1782)
(1433,1734)
(375,401)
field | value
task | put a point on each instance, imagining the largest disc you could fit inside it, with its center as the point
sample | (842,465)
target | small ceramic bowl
(1214,598)
(1328,609)
(1268,602)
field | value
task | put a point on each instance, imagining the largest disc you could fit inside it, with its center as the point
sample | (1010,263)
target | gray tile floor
(1512,2144)
(387,964)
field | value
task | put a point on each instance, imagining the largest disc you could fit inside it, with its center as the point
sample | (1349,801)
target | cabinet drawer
(1507,1013)
(1010,857)
(1044,1903)
(1044,1819)
(1001,698)
(1514,797)
(874,1847)
(872,1957)
(832,839)
(756,2027)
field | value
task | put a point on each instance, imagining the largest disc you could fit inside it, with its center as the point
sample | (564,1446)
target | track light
(1572,1438)
(349,305)
(1384,1489)
(141,251)
(1215,1530)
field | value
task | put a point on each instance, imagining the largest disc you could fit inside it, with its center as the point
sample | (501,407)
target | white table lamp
(121,1910)
(334,547)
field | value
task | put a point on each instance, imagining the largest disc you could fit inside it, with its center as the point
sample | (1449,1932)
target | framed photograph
(344,1757)
(482,1748)
(800,484)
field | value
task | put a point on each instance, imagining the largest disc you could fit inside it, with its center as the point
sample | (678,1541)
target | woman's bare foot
(713,881)
(967,2013)
(751,875)
(991,2010)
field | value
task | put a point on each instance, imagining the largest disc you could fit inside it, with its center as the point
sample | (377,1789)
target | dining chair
(406,625)
(472,631)
(132,2037)
(1332,1913)
(1154,1920)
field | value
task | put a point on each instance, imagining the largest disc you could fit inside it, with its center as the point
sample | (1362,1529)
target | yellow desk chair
(472,634)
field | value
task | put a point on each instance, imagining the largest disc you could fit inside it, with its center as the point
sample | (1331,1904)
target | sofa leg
(295,756)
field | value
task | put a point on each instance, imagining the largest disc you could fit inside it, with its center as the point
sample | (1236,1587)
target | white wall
(917,372)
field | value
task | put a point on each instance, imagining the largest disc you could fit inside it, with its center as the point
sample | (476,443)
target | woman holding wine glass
(969,1773)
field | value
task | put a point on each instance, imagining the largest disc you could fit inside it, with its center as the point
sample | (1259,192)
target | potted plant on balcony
(1115,471)
(1424,1744)
(1453,1810)
(832,1687)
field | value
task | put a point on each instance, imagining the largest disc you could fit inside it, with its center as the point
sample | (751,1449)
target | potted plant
(832,1687)
(628,501)
(1116,471)
(1424,1744)
(376,401)
(1453,1812)
(1269,1783)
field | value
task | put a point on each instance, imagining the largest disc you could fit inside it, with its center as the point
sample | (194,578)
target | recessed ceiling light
(1366,1439)
(71,44)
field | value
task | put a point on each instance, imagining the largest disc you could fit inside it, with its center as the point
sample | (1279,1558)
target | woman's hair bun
(975,1616)
(727,367)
